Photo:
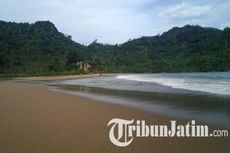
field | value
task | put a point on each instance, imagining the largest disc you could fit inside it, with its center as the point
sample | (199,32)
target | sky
(116,21)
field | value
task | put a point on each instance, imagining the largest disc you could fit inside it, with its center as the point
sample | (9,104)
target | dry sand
(36,120)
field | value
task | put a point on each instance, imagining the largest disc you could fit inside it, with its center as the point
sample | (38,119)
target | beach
(35,119)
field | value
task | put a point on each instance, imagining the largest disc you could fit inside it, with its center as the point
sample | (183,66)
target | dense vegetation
(190,48)
(34,49)
(39,48)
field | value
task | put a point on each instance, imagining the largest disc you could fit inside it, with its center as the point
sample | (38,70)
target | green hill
(32,49)
(39,48)
(190,48)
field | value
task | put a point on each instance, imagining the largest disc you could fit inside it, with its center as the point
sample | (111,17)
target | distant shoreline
(61,77)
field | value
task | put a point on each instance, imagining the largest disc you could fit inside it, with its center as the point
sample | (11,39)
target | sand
(61,77)
(34,119)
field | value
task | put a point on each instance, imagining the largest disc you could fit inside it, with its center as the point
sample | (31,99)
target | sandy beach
(34,119)
(61,77)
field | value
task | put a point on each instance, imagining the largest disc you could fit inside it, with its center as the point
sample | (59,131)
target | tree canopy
(39,48)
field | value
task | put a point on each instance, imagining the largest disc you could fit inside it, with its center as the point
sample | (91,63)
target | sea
(200,96)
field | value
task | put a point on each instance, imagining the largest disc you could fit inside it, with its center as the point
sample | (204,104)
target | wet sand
(61,77)
(36,120)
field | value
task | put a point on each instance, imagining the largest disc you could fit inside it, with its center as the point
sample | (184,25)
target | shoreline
(135,105)
(35,119)
(169,104)
(61,77)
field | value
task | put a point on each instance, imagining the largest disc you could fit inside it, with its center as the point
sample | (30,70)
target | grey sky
(115,21)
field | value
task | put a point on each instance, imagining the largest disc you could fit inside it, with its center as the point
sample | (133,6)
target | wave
(215,82)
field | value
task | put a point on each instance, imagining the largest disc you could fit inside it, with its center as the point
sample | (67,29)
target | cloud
(205,13)
(185,11)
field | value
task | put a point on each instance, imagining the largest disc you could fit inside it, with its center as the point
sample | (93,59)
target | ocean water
(204,97)
(213,82)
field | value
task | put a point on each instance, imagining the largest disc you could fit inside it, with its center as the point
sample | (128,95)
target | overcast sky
(115,21)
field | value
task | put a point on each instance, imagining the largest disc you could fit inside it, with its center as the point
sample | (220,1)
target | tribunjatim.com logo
(123,132)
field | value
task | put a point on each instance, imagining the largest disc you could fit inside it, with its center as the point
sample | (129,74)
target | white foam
(197,83)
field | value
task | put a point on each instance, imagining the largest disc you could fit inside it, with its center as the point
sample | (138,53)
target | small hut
(84,66)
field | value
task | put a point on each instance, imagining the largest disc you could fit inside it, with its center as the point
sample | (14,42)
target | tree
(72,58)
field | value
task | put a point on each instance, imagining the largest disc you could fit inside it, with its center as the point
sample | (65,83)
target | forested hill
(34,49)
(39,48)
(186,49)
